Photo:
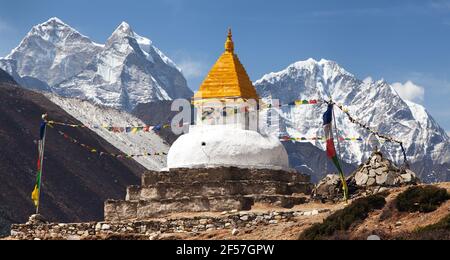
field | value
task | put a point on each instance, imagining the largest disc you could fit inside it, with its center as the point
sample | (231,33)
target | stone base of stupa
(208,190)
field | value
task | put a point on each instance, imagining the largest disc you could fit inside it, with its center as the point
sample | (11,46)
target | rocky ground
(261,223)
(387,223)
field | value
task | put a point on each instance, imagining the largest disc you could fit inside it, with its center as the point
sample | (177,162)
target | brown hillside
(75,182)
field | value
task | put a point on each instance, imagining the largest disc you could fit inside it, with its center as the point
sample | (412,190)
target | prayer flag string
(318,138)
(372,131)
(101,153)
(115,129)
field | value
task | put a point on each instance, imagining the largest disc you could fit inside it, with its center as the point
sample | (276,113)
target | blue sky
(404,42)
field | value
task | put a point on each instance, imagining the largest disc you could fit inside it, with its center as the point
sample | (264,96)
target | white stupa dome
(220,138)
(229,146)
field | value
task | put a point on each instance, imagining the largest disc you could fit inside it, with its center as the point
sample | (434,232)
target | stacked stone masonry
(208,190)
(154,229)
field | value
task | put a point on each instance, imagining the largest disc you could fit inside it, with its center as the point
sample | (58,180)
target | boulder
(391,179)
(328,188)
(372,181)
(361,178)
(381,179)
(381,171)
(36,219)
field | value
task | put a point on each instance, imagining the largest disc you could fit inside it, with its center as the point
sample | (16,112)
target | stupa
(226,130)
(224,163)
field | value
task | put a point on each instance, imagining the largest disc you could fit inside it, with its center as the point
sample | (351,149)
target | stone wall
(208,190)
(222,174)
(143,212)
(153,229)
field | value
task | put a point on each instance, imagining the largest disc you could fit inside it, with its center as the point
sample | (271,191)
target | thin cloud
(410,91)
(368,80)
(7,31)
(443,5)
(438,85)
(4,26)
(175,6)
(192,68)
(350,12)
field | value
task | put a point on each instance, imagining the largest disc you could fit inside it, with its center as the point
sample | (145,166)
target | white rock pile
(378,171)
(376,175)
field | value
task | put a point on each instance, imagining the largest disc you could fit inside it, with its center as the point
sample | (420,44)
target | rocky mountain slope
(75,182)
(373,102)
(96,116)
(5,78)
(128,70)
(158,112)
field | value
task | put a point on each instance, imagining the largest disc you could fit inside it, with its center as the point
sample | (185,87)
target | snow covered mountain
(126,71)
(375,103)
(50,53)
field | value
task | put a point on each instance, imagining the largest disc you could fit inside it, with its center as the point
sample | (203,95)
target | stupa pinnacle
(226,131)
(227,78)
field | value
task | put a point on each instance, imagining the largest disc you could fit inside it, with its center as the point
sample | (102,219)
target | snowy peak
(124,30)
(374,103)
(126,71)
(125,34)
(129,70)
(327,69)
(124,26)
(50,53)
(125,40)
(56,20)
(52,24)
(54,31)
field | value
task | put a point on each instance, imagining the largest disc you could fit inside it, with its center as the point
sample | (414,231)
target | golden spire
(227,78)
(229,44)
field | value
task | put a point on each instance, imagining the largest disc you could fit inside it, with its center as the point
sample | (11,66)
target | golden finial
(229,45)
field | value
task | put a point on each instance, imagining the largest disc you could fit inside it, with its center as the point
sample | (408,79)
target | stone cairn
(376,175)
(381,172)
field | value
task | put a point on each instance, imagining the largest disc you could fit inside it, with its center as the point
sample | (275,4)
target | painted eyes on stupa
(210,113)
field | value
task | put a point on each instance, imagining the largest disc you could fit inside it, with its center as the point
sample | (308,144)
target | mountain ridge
(126,71)
(375,103)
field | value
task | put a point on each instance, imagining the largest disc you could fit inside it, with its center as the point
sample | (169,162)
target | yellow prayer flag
(35,196)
